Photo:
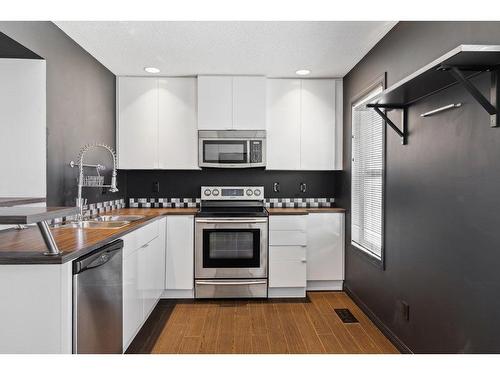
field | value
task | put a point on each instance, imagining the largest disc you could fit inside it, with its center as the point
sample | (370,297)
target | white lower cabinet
(143,275)
(325,251)
(287,256)
(35,308)
(132,299)
(152,270)
(180,257)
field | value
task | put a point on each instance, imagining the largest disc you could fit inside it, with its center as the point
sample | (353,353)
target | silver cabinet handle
(231,221)
(231,282)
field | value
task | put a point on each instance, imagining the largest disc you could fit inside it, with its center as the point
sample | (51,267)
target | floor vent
(346,316)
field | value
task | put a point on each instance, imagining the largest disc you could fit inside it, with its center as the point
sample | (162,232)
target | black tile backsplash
(187,183)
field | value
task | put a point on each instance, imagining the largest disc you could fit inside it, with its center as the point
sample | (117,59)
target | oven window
(225,152)
(231,248)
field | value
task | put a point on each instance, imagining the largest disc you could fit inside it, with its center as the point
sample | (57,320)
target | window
(367,177)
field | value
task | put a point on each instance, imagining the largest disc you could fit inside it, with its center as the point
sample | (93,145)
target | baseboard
(398,343)
(322,285)
(286,293)
(178,294)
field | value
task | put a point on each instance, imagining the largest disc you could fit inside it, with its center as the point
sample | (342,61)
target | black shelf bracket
(403,134)
(491,106)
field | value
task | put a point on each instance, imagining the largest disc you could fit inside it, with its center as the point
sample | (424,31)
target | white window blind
(367,177)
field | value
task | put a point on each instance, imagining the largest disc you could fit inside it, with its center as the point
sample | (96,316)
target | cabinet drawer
(287,253)
(288,222)
(129,243)
(287,237)
(147,233)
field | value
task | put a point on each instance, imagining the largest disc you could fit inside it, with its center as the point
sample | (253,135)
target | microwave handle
(249,146)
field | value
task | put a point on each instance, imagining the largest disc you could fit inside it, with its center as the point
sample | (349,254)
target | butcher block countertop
(26,246)
(303,211)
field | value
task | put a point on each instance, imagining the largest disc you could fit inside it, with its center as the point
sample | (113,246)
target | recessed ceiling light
(303,72)
(151,69)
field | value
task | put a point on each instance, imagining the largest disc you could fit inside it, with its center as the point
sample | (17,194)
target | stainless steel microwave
(232,148)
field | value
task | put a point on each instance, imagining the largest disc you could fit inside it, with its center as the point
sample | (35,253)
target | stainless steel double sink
(101,222)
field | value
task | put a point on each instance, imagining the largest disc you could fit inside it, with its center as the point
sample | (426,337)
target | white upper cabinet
(303,118)
(249,103)
(215,102)
(283,124)
(231,102)
(137,117)
(317,130)
(177,130)
(23,130)
(157,123)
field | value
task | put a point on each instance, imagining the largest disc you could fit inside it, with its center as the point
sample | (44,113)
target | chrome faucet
(80,202)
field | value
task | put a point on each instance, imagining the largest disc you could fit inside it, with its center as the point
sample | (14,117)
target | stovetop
(232,213)
(232,201)
(232,209)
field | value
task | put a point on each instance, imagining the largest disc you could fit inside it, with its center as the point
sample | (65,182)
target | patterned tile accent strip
(195,202)
(93,209)
(164,202)
(299,202)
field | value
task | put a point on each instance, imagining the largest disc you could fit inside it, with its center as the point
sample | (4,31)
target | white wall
(22,128)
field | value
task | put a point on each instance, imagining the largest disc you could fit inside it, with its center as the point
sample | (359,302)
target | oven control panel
(242,193)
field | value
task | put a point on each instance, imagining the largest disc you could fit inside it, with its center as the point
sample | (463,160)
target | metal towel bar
(441,109)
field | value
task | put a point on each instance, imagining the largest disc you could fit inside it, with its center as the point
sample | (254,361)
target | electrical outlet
(276,187)
(405,310)
(156,187)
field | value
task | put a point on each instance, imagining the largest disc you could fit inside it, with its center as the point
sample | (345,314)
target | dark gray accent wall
(186,184)
(80,105)
(442,201)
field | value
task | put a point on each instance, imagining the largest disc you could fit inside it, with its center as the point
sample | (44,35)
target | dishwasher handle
(98,258)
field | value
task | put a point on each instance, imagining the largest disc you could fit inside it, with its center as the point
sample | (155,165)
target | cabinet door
(283,124)
(249,103)
(132,297)
(23,128)
(177,124)
(180,252)
(317,124)
(287,266)
(137,132)
(215,102)
(325,246)
(151,268)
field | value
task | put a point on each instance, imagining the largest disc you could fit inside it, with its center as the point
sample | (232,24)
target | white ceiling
(274,49)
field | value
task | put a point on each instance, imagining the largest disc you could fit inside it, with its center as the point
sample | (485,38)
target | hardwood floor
(260,326)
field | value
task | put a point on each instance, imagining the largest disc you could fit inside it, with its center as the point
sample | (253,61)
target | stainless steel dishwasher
(97,301)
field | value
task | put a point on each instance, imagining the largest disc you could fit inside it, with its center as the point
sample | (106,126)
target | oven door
(231,248)
(224,153)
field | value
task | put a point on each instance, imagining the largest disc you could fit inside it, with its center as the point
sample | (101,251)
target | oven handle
(231,282)
(231,221)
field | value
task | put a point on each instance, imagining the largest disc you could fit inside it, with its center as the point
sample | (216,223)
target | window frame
(366,253)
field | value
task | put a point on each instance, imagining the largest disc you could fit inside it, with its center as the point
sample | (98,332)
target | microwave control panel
(255,151)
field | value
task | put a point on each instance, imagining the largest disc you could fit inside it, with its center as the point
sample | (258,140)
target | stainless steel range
(231,243)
